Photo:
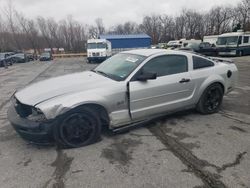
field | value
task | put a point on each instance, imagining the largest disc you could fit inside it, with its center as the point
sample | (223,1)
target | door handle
(183,80)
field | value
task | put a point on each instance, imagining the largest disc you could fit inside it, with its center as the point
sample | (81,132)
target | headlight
(37,115)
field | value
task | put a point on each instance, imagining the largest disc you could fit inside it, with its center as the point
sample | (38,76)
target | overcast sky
(111,11)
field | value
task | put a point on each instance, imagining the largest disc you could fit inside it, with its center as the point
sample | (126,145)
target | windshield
(227,40)
(119,66)
(96,45)
(18,55)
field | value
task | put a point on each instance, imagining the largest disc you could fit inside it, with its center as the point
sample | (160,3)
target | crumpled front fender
(57,106)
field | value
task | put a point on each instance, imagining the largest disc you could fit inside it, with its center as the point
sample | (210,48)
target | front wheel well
(101,112)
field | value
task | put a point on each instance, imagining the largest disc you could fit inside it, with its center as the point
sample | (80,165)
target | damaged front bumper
(35,132)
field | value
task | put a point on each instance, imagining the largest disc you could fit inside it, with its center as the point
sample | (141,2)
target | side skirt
(142,123)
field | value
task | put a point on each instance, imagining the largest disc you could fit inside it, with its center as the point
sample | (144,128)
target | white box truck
(98,50)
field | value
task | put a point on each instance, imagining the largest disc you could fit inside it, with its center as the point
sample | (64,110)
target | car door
(172,89)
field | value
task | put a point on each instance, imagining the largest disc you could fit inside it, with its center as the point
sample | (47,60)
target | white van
(212,39)
(98,50)
(234,44)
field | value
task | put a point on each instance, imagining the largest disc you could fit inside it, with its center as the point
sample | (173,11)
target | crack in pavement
(233,118)
(140,135)
(238,129)
(237,161)
(210,180)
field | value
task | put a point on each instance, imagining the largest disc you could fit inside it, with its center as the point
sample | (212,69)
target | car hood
(58,86)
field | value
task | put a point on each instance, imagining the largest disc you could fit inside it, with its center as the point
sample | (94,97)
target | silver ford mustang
(125,90)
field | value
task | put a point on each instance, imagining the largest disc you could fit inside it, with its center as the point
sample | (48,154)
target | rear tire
(211,99)
(77,128)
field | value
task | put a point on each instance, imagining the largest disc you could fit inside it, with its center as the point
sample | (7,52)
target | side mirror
(144,76)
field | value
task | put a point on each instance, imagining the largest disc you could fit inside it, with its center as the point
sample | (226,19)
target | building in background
(127,42)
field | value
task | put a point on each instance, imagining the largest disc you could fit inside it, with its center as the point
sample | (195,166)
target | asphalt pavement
(182,150)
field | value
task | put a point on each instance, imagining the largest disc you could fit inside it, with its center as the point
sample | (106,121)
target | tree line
(18,32)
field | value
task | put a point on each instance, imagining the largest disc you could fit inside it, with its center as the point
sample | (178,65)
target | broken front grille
(23,110)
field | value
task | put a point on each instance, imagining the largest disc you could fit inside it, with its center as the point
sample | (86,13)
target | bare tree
(20,33)
(151,25)
(100,26)
(168,28)
(180,26)
(28,27)
(10,15)
(44,31)
(219,20)
(242,14)
(126,28)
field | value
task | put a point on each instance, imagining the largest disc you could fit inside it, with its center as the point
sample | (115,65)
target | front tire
(211,99)
(77,128)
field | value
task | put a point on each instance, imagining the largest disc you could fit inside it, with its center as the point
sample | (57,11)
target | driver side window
(167,65)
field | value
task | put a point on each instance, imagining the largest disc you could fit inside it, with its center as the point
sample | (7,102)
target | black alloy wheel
(211,99)
(78,128)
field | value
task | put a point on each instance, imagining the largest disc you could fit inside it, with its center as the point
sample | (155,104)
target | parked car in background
(4,58)
(30,57)
(17,58)
(185,42)
(129,88)
(46,56)
(204,48)
(173,44)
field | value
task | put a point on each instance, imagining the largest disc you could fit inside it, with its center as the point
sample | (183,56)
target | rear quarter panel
(218,73)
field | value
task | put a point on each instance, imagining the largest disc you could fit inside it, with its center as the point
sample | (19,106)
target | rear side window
(246,40)
(167,65)
(199,63)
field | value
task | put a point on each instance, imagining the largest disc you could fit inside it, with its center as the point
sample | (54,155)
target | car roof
(150,52)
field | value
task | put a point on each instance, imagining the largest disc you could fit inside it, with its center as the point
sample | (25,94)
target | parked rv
(98,50)
(234,44)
